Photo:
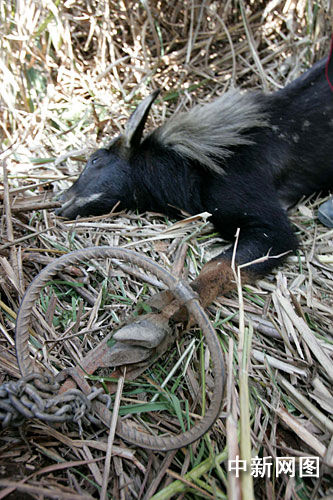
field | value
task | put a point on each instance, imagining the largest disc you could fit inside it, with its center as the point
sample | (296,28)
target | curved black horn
(137,120)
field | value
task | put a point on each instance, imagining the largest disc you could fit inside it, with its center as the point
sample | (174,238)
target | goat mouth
(67,209)
(74,205)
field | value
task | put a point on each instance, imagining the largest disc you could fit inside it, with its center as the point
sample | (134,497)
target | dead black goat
(244,157)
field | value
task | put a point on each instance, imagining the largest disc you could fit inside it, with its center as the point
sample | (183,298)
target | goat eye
(94,161)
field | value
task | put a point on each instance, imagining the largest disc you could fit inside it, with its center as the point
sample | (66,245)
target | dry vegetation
(70,74)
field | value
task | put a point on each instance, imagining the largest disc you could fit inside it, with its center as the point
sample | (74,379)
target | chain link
(36,396)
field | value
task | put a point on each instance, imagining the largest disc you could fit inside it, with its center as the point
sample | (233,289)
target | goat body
(243,157)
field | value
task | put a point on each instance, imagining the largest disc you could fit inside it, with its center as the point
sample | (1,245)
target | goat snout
(68,203)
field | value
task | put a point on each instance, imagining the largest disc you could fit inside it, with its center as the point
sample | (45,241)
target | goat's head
(107,177)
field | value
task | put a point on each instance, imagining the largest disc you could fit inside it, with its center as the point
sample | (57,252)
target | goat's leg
(274,241)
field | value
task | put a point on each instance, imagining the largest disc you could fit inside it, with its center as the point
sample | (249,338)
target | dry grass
(70,75)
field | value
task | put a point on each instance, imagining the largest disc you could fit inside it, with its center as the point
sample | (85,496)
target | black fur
(288,157)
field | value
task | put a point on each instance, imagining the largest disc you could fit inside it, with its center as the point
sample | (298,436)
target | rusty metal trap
(99,312)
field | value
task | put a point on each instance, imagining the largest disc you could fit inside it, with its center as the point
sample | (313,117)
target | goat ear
(137,120)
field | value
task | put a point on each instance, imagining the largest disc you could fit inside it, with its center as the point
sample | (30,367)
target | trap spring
(184,296)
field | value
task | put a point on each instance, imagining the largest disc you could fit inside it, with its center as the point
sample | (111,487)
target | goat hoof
(325,213)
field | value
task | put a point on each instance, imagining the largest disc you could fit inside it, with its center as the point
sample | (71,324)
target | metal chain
(37,396)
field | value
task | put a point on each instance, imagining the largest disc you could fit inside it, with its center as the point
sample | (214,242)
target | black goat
(243,157)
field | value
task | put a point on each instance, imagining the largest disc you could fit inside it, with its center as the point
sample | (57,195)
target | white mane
(206,132)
